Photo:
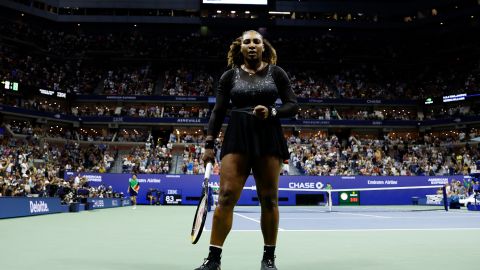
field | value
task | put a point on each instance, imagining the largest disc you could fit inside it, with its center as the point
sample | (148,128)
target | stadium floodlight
(279,12)
(240,2)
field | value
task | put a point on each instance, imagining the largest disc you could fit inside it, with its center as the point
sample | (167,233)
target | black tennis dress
(246,133)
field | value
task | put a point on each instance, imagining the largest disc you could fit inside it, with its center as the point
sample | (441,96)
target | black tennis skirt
(254,137)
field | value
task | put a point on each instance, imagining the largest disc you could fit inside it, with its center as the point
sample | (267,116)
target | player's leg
(233,174)
(267,171)
(134,200)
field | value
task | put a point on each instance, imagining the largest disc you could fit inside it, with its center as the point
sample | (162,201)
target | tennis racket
(201,213)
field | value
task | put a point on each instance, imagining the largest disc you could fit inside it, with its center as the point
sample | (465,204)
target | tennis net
(387,199)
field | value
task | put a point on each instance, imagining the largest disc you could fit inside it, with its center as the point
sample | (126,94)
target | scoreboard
(349,198)
(173,196)
(9,85)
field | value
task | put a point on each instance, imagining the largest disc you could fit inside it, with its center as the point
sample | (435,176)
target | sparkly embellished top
(246,90)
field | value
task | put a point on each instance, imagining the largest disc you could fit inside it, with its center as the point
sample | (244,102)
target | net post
(329,192)
(445,197)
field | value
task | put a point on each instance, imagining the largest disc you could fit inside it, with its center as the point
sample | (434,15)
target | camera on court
(154,196)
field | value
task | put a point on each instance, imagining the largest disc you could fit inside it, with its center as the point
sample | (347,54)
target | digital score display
(349,198)
(173,196)
(9,85)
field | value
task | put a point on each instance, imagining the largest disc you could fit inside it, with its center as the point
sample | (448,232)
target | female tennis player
(253,140)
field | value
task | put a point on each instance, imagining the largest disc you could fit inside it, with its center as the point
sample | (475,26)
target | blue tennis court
(351,218)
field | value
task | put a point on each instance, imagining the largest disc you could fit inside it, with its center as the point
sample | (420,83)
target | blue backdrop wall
(188,187)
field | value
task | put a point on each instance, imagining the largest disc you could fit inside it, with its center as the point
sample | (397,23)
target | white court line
(252,219)
(419,218)
(249,218)
(398,217)
(391,210)
(362,215)
(379,230)
(316,211)
(464,213)
(369,230)
(300,218)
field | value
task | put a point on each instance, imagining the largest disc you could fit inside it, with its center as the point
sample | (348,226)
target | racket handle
(208,170)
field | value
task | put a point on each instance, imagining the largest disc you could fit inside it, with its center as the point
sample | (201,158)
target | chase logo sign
(305,185)
(39,207)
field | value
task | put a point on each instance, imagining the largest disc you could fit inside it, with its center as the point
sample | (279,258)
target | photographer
(51,188)
(476,187)
(109,192)
(150,196)
(65,192)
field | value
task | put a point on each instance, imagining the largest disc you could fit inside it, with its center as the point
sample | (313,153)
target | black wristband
(209,144)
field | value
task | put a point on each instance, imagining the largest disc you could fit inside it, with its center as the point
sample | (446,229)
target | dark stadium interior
(107,104)
(125,88)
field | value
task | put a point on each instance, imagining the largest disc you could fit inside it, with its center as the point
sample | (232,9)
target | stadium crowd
(187,82)
(327,155)
(134,81)
(81,134)
(325,65)
(35,167)
(322,112)
(148,159)
(370,82)
(49,63)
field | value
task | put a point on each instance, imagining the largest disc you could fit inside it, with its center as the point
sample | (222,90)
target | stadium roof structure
(313,13)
